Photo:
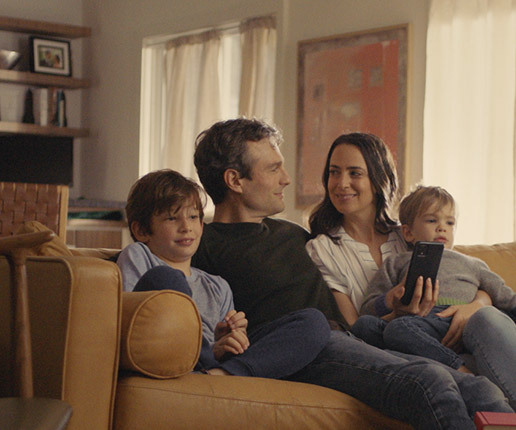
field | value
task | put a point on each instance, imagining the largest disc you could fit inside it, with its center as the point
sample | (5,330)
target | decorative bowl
(8,59)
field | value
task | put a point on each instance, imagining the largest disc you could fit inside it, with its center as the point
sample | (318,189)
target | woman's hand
(422,301)
(460,316)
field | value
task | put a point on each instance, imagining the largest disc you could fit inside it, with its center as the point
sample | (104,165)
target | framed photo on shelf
(50,56)
(354,82)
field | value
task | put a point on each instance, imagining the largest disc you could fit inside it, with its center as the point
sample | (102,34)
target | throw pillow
(54,248)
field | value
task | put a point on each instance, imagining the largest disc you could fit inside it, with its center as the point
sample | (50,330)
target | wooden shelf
(9,128)
(37,79)
(18,25)
(42,28)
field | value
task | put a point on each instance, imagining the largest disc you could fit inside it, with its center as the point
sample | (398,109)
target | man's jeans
(419,391)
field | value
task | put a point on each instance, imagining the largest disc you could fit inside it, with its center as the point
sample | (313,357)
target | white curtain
(258,68)
(469,119)
(152,108)
(193,96)
(192,81)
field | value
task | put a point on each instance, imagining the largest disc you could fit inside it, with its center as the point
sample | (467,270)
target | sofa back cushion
(501,259)
(161,333)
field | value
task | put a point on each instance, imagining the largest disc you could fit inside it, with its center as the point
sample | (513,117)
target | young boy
(165,216)
(428,214)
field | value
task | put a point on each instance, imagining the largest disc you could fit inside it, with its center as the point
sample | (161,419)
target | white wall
(109,158)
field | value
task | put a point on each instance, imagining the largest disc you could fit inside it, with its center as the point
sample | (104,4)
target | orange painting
(349,83)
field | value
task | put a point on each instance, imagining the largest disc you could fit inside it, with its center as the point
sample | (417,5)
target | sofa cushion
(500,258)
(161,333)
(197,401)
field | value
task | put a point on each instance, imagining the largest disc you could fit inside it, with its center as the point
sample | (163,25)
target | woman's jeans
(416,390)
(276,350)
(410,334)
(490,336)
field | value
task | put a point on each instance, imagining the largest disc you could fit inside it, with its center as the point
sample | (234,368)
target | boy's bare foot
(464,369)
(218,371)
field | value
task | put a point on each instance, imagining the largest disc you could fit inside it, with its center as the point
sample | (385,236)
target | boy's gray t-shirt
(211,294)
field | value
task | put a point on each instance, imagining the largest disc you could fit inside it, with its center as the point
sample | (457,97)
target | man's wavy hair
(382,172)
(158,192)
(224,146)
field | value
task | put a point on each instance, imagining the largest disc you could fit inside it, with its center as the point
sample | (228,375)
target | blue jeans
(416,390)
(277,349)
(490,336)
(410,334)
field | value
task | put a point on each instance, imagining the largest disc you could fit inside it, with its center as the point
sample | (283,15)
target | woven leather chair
(20,202)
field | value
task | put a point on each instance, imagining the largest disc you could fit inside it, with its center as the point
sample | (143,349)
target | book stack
(41,106)
(49,107)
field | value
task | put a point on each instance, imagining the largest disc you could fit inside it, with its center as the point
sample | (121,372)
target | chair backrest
(20,202)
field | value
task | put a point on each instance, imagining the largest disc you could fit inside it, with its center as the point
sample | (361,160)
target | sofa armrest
(75,310)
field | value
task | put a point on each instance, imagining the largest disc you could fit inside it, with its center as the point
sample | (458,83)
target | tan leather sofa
(123,360)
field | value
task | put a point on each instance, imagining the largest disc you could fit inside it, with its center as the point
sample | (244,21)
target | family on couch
(265,263)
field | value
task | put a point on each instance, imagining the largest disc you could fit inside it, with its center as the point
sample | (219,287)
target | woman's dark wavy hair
(224,146)
(382,173)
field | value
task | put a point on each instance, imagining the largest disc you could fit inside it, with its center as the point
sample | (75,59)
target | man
(264,260)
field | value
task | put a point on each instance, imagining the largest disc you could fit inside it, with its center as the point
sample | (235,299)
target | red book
(495,421)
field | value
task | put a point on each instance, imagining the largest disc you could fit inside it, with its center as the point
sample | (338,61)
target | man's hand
(232,321)
(422,301)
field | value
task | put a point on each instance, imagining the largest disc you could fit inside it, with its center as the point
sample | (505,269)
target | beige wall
(109,158)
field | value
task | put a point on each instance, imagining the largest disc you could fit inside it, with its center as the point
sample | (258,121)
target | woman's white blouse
(347,266)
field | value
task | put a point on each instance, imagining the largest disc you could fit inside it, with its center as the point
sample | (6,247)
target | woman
(354,230)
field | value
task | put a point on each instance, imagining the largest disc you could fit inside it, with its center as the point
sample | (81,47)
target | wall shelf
(9,128)
(41,28)
(37,79)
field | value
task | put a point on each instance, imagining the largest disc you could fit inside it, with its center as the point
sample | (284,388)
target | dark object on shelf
(28,109)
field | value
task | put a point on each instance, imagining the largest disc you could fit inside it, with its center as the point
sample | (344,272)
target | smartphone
(425,262)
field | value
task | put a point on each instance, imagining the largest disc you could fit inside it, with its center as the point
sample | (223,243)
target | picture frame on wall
(355,82)
(50,56)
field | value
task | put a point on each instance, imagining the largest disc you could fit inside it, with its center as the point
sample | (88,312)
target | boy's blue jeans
(410,334)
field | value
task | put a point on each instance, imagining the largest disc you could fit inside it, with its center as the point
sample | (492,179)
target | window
(469,119)
(192,80)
